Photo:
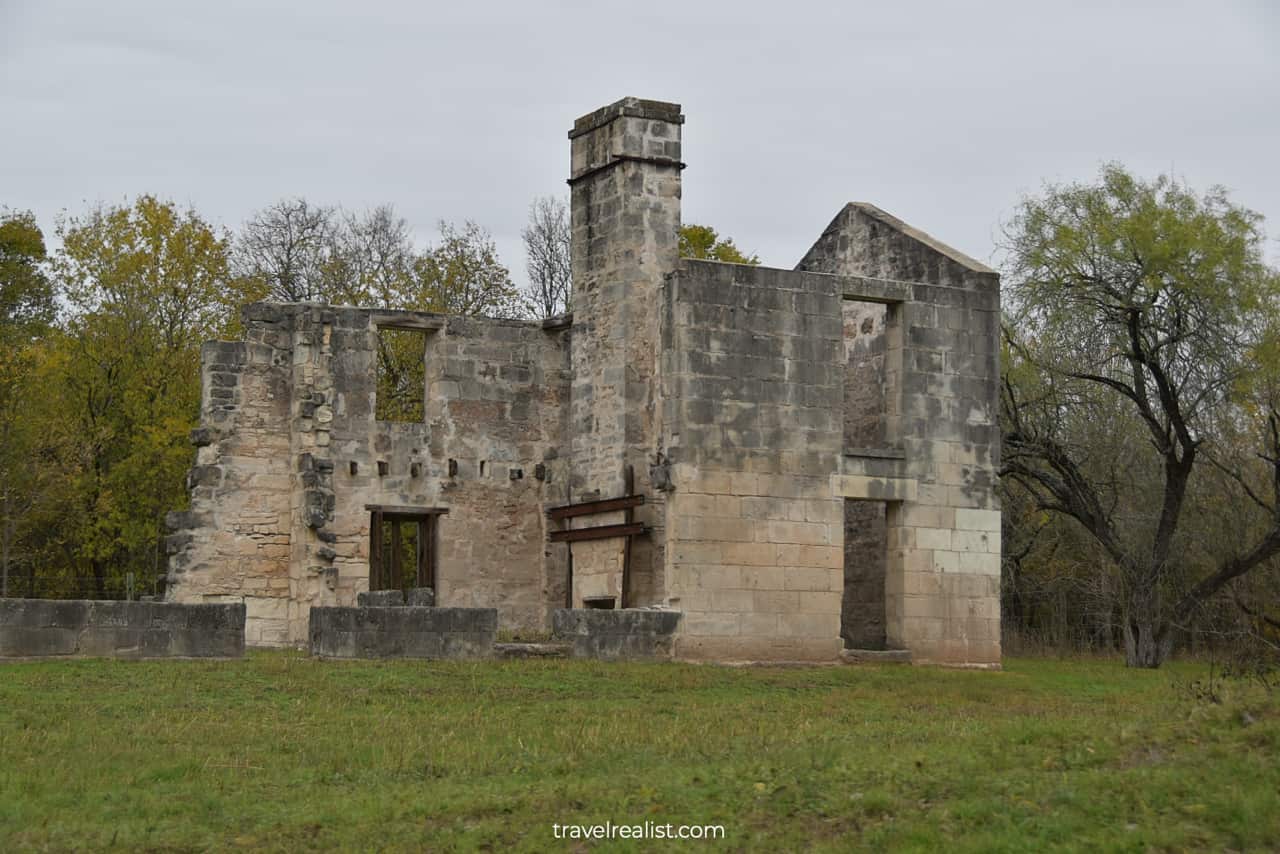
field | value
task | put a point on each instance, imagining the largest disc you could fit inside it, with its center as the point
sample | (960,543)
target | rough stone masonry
(799,461)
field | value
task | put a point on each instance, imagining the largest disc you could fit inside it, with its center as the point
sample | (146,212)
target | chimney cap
(661,111)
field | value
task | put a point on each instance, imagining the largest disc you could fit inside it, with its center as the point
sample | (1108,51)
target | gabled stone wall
(943,526)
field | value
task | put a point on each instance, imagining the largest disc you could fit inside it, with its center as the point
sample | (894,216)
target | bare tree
(370,259)
(299,251)
(546,244)
(285,245)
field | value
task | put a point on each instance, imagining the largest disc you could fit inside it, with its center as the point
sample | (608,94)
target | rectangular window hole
(402,551)
(401,389)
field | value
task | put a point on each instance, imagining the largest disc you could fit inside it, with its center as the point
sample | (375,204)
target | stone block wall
(295,456)
(402,632)
(816,447)
(421,597)
(496,403)
(625,219)
(234,544)
(46,627)
(943,521)
(753,375)
(616,634)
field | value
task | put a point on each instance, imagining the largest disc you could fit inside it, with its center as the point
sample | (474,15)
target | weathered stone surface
(744,403)
(862,608)
(941,369)
(616,634)
(402,632)
(875,656)
(45,627)
(625,199)
(380,598)
(532,650)
(279,494)
(422,597)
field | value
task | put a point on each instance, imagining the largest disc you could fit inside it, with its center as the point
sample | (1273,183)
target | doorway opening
(866,552)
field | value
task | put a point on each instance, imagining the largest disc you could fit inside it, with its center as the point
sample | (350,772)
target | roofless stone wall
(291,458)
(740,413)
(942,379)
(754,377)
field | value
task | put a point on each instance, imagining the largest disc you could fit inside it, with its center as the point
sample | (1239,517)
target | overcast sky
(944,114)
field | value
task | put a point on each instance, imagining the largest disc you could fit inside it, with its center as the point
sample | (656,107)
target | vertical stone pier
(625,220)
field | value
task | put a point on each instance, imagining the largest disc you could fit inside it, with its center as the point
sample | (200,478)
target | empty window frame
(872,374)
(401,391)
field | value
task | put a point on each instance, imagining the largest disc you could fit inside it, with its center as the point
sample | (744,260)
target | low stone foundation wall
(403,631)
(32,628)
(616,634)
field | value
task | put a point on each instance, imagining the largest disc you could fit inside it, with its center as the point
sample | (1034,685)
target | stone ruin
(800,462)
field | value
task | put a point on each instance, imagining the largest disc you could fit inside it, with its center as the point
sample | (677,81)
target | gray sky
(941,113)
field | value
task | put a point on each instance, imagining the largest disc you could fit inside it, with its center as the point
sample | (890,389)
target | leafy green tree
(145,284)
(462,275)
(26,309)
(1141,319)
(459,275)
(705,243)
(26,294)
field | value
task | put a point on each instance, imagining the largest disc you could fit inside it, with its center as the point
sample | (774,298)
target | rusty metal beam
(600,532)
(402,510)
(589,508)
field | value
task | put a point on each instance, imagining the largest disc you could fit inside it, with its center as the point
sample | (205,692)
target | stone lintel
(874,488)
(874,466)
(866,289)
(399,319)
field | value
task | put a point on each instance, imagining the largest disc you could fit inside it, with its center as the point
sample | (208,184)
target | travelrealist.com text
(646,830)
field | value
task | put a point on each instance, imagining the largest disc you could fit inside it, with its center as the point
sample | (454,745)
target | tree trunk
(100,579)
(1148,640)
(5,536)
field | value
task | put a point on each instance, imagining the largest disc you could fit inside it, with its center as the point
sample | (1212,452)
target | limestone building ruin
(796,460)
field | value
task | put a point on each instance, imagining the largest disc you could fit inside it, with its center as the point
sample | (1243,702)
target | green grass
(281,752)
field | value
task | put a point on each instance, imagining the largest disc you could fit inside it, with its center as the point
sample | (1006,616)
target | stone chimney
(625,221)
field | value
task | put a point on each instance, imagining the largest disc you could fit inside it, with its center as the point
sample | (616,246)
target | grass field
(281,752)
